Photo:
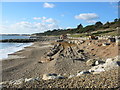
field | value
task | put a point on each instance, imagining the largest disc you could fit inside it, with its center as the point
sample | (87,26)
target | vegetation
(80,29)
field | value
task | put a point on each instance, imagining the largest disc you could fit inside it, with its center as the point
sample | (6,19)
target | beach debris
(52,76)
(64,50)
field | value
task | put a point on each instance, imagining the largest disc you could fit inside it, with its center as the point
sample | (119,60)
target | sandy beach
(27,63)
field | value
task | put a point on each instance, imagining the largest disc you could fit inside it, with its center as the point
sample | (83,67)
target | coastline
(11,50)
(30,67)
(30,54)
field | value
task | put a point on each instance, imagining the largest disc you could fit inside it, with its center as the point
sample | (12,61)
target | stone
(109,60)
(99,62)
(60,40)
(29,79)
(105,67)
(46,59)
(6,82)
(91,62)
(71,76)
(111,65)
(105,44)
(82,41)
(51,76)
(32,79)
(17,82)
(83,72)
(112,40)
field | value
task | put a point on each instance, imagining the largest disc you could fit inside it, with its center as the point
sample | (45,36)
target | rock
(82,41)
(29,79)
(60,40)
(51,76)
(111,65)
(105,67)
(17,82)
(6,82)
(109,60)
(99,62)
(112,40)
(80,51)
(99,44)
(83,72)
(32,79)
(45,59)
(71,76)
(91,62)
(105,44)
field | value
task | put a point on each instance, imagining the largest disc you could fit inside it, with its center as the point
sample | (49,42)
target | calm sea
(8,48)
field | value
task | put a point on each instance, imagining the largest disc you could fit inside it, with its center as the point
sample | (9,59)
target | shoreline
(31,67)
(29,54)
(16,49)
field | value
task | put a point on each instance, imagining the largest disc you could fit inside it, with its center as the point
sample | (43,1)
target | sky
(35,17)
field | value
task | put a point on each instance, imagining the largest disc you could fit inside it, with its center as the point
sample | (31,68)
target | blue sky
(34,17)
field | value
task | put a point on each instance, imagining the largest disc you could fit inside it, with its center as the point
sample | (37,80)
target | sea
(9,48)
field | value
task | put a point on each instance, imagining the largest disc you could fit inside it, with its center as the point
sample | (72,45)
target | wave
(9,48)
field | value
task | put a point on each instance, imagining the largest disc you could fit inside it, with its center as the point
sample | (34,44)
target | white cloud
(28,27)
(88,17)
(36,18)
(50,20)
(48,5)
(43,18)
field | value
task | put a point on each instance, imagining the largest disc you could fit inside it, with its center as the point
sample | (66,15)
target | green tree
(80,26)
(98,24)
(115,20)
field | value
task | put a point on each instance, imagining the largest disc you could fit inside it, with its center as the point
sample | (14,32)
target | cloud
(43,17)
(36,18)
(48,5)
(49,20)
(30,27)
(88,17)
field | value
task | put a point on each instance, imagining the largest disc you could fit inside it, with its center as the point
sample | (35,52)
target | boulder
(99,62)
(51,76)
(91,62)
(105,67)
(109,60)
(112,40)
(105,44)
(60,40)
(83,72)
